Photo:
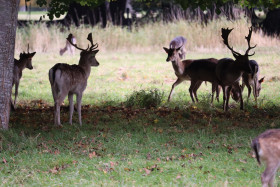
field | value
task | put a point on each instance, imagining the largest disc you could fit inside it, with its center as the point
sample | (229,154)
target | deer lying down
(196,71)
(267,148)
(72,79)
(25,61)
(179,42)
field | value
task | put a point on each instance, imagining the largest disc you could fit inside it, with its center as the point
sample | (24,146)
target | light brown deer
(72,79)
(229,71)
(196,71)
(267,149)
(25,61)
(69,47)
(179,42)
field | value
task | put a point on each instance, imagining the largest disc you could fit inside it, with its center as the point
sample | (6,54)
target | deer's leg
(178,81)
(71,107)
(193,84)
(197,85)
(16,93)
(58,103)
(218,89)
(228,90)
(79,106)
(214,88)
(224,97)
(268,175)
(240,93)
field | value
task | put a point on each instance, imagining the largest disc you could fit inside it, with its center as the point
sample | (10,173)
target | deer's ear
(178,48)
(95,51)
(32,54)
(261,80)
(165,49)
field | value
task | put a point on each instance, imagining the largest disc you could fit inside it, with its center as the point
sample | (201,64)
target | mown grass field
(174,144)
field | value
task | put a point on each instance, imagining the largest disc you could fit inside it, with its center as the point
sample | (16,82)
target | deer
(68,79)
(177,42)
(229,71)
(266,148)
(250,80)
(196,71)
(68,47)
(25,61)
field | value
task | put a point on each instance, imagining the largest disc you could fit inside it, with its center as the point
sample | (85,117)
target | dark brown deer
(25,61)
(72,79)
(196,71)
(229,71)
(267,149)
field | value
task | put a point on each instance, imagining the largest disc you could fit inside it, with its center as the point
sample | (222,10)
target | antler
(225,34)
(248,38)
(93,46)
(28,48)
(69,39)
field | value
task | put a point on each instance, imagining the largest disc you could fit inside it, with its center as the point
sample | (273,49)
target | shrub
(144,98)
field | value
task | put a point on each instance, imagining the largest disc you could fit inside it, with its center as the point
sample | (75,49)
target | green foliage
(145,98)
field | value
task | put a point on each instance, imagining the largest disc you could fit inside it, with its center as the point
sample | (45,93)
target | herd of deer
(224,73)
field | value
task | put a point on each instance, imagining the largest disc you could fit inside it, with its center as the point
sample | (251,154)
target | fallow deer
(72,79)
(179,42)
(25,61)
(68,47)
(229,71)
(267,149)
(196,71)
(250,80)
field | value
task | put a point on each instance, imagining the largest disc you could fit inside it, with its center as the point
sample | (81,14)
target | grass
(168,144)
(176,143)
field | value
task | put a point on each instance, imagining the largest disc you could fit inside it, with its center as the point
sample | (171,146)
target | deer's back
(178,42)
(71,76)
(203,69)
(269,144)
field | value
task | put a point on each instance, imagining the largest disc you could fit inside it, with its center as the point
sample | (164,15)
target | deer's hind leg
(71,107)
(268,175)
(79,106)
(59,97)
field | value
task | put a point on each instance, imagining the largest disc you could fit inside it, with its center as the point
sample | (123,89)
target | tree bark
(8,22)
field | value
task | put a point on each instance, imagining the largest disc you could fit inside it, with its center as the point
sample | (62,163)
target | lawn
(173,144)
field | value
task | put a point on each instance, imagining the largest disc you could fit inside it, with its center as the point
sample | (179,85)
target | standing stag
(25,61)
(179,42)
(229,71)
(196,71)
(72,79)
(266,148)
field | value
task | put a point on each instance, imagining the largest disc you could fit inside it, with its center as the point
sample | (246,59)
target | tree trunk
(8,22)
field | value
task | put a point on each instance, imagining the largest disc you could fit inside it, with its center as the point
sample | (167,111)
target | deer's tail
(256,147)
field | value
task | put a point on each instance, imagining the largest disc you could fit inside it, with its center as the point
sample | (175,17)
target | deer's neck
(86,67)
(178,67)
(21,64)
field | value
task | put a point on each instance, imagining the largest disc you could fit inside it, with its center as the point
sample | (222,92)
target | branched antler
(28,48)
(248,38)
(225,34)
(93,46)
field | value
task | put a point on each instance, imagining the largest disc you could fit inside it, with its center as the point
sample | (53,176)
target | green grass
(175,144)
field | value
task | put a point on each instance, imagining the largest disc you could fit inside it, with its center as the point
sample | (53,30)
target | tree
(9,12)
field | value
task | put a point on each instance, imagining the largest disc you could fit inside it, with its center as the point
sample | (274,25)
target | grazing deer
(25,61)
(196,71)
(267,149)
(72,79)
(68,47)
(250,80)
(229,71)
(179,42)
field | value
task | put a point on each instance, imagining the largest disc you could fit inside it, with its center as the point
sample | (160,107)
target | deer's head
(173,54)
(88,54)
(26,58)
(258,87)
(241,60)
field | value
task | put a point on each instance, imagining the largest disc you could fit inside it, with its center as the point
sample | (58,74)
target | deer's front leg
(228,90)
(16,93)
(224,97)
(240,93)
(79,106)
(71,107)
(178,81)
